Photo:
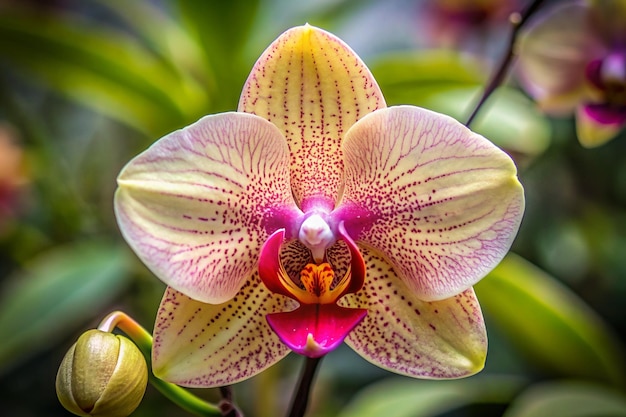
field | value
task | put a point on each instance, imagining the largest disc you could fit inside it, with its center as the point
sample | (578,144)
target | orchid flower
(574,59)
(315,215)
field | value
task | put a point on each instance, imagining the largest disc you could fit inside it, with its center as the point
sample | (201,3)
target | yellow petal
(403,334)
(593,133)
(204,345)
(313,87)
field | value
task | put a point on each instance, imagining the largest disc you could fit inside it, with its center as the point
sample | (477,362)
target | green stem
(143,340)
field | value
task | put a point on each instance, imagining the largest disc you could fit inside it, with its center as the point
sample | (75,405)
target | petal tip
(476,362)
(595,127)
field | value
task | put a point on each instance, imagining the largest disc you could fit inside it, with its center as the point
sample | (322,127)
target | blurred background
(87,84)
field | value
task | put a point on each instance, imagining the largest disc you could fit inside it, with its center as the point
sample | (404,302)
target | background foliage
(86,85)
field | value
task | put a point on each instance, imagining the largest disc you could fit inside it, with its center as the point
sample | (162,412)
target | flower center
(609,76)
(318,282)
(613,73)
(317,279)
(318,325)
(315,234)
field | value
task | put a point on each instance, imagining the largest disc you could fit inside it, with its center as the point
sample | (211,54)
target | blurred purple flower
(466,24)
(573,59)
(12,173)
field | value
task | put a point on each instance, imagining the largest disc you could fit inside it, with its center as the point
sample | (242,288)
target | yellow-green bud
(102,374)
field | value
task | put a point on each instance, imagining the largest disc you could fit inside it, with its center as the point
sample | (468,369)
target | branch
(517,21)
(227,405)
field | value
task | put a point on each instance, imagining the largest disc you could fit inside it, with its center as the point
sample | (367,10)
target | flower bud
(102,374)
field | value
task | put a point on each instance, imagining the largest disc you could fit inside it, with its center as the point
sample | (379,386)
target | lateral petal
(440,203)
(403,334)
(313,87)
(205,345)
(198,204)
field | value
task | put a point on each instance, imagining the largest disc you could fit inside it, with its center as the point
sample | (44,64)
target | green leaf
(419,69)
(222,29)
(57,292)
(451,83)
(568,399)
(549,323)
(220,26)
(105,69)
(395,397)
(165,37)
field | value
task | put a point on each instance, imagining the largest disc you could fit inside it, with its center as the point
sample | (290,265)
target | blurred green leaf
(568,399)
(508,118)
(397,397)
(214,21)
(220,26)
(550,323)
(222,29)
(427,68)
(104,69)
(57,292)
(451,83)
(164,36)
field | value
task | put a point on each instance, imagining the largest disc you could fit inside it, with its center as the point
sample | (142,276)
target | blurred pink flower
(466,24)
(573,59)
(12,172)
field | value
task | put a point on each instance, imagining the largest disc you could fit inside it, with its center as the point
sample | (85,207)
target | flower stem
(517,20)
(301,397)
(174,393)
(227,406)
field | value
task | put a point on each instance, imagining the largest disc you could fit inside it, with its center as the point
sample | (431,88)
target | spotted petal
(204,345)
(401,333)
(440,203)
(197,205)
(313,87)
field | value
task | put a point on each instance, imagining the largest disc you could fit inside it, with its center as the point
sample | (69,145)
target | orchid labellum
(316,215)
